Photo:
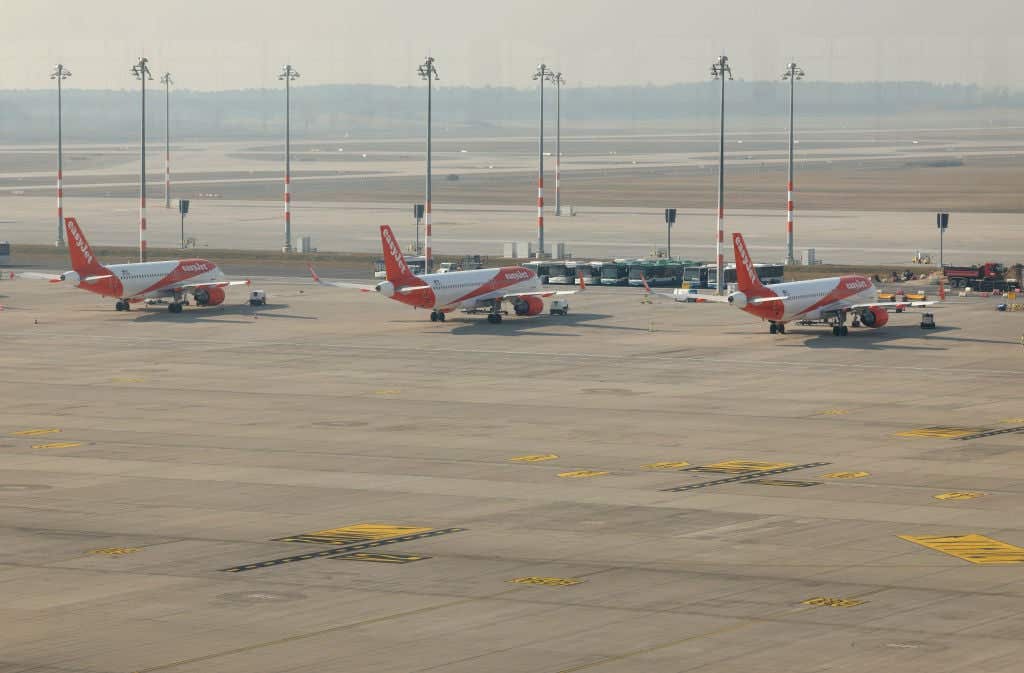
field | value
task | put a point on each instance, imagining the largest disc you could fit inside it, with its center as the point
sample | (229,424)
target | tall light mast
(543,73)
(60,73)
(720,70)
(793,73)
(288,73)
(428,71)
(141,72)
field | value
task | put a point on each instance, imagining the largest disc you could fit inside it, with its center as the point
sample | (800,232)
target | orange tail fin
(83,261)
(394,261)
(746,275)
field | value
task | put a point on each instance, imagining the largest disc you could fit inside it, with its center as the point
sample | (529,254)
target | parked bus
(658,272)
(562,273)
(768,273)
(417,264)
(615,273)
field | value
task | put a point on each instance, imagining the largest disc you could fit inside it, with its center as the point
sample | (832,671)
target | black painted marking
(339,551)
(743,477)
(990,433)
(782,482)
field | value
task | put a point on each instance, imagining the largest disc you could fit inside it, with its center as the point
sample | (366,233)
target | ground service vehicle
(980,278)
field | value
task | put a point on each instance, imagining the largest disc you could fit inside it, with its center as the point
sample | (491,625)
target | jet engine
(738,299)
(210,296)
(874,317)
(528,305)
(386,288)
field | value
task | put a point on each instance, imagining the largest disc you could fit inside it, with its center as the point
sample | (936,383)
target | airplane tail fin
(747,279)
(83,261)
(394,261)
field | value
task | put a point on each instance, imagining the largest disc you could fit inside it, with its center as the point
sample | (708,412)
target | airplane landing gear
(436,315)
(122,305)
(840,330)
(174,307)
(494,318)
(777,328)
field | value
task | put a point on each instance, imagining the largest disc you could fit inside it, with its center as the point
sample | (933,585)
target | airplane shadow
(193,314)
(531,325)
(888,338)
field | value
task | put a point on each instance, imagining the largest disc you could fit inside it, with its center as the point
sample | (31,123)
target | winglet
(583,283)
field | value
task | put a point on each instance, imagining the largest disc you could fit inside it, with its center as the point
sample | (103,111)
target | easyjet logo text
(741,248)
(395,253)
(80,243)
(195,267)
(517,275)
(857,285)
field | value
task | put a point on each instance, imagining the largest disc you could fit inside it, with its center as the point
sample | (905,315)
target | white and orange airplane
(827,301)
(476,291)
(132,283)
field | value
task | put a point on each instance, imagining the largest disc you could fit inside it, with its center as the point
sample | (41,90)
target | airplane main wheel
(119,306)
(844,330)
(493,318)
(440,316)
(174,307)
(781,328)
(433,316)
(835,330)
(772,328)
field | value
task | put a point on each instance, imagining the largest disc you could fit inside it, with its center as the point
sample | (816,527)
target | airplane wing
(196,286)
(697,298)
(35,275)
(894,304)
(335,283)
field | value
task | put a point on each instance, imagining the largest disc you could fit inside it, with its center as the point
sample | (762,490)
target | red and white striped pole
(60,73)
(540,210)
(789,223)
(558,143)
(141,71)
(543,73)
(288,73)
(720,69)
(167,82)
(428,71)
(793,73)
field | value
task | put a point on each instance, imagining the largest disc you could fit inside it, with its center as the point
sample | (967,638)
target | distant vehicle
(417,263)
(825,300)
(981,278)
(257,298)
(559,307)
(615,273)
(705,275)
(448,266)
(476,291)
(657,272)
(132,283)
(562,272)
(589,272)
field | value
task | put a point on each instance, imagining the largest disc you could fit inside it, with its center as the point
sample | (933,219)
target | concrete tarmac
(334,483)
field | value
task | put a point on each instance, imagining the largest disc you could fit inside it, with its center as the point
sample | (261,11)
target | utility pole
(559,81)
(543,73)
(141,72)
(720,70)
(60,73)
(167,82)
(428,71)
(793,73)
(288,73)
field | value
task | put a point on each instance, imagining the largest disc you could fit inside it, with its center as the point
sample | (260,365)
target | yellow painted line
(942,432)
(581,474)
(35,432)
(116,551)
(380,558)
(1012,421)
(667,465)
(360,532)
(393,391)
(782,482)
(846,475)
(958,495)
(833,412)
(547,581)
(977,549)
(740,467)
(534,458)
(824,601)
(56,445)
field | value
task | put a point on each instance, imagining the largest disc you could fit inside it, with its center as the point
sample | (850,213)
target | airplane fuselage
(144,280)
(465,289)
(812,299)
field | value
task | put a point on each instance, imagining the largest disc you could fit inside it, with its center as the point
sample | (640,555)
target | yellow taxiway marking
(547,581)
(534,458)
(667,465)
(380,558)
(127,379)
(958,495)
(1012,421)
(942,432)
(833,412)
(782,482)
(56,445)
(393,391)
(581,474)
(115,551)
(845,475)
(360,532)
(977,549)
(740,467)
(824,601)
(35,432)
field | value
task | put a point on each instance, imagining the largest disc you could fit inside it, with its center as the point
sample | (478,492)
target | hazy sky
(221,44)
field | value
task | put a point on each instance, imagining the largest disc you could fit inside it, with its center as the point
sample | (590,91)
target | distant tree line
(330,111)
